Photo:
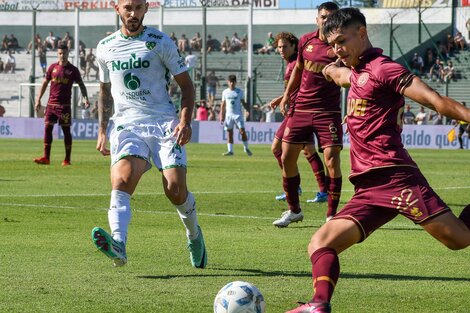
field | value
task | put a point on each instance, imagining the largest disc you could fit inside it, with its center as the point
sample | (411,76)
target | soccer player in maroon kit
(286,44)
(62,74)
(317,110)
(386,180)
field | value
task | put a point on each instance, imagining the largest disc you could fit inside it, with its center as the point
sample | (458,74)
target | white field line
(316,222)
(194,192)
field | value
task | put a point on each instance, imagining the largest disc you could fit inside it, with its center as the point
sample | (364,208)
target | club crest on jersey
(309,48)
(150,45)
(362,80)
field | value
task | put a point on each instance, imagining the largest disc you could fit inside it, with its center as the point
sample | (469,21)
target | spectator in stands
(429,59)
(196,42)
(13,44)
(442,48)
(43,59)
(82,58)
(417,64)
(421,117)
(51,41)
(2,66)
(211,44)
(408,116)
(5,43)
(467,25)
(226,46)
(173,38)
(90,65)
(211,114)
(448,72)
(201,112)
(183,44)
(450,43)
(269,45)
(67,41)
(236,42)
(244,45)
(212,84)
(94,110)
(460,41)
(38,43)
(435,70)
(434,118)
(2,110)
(11,63)
(191,62)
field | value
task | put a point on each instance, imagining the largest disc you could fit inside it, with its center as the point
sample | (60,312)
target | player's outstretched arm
(339,75)
(105,105)
(183,131)
(420,92)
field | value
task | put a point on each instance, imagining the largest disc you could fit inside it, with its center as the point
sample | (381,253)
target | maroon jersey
(62,79)
(316,93)
(375,112)
(287,74)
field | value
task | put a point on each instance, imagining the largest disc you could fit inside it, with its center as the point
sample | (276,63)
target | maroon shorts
(326,126)
(61,113)
(382,194)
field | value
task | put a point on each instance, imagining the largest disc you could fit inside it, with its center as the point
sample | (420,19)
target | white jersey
(139,69)
(233,101)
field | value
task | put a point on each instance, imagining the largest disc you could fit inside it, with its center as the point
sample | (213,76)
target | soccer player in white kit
(231,114)
(135,65)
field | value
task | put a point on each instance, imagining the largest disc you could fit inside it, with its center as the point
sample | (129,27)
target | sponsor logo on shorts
(405,203)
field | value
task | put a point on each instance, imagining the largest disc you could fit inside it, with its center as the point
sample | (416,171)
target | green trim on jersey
(133,37)
(172,166)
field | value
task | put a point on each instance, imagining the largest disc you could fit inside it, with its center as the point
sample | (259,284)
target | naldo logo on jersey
(132,63)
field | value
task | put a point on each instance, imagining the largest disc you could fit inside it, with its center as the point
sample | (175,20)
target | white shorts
(233,119)
(151,142)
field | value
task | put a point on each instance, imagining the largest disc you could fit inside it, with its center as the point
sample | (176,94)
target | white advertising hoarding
(413,136)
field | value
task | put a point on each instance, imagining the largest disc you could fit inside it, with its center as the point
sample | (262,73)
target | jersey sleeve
(49,72)
(394,76)
(172,58)
(77,75)
(300,57)
(241,94)
(224,96)
(103,69)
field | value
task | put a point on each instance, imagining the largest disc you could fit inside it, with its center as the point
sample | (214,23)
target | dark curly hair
(287,36)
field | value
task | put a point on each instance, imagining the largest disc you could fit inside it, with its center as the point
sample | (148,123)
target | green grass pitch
(49,264)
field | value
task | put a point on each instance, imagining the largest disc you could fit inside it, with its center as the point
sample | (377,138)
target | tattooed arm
(105,104)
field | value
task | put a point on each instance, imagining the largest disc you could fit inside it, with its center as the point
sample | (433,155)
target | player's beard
(134,25)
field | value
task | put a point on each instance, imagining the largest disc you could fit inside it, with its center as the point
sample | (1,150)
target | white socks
(187,213)
(230,147)
(119,214)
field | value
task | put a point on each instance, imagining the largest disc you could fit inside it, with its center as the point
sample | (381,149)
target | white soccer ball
(239,297)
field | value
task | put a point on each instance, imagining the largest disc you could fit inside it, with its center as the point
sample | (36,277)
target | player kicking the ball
(135,63)
(387,182)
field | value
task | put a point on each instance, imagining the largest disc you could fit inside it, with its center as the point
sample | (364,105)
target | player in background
(134,65)
(231,114)
(317,110)
(286,45)
(62,76)
(387,182)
